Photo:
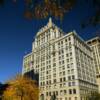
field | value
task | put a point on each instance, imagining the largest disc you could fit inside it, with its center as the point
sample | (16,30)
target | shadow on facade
(32,75)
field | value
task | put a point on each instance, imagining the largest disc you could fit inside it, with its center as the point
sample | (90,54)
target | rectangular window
(70,91)
(60,79)
(69,84)
(47,93)
(56,92)
(65,40)
(54,80)
(64,79)
(74,91)
(73,83)
(65,91)
(69,77)
(73,77)
(75,98)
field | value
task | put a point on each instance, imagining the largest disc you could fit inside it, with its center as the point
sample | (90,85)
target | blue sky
(17,33)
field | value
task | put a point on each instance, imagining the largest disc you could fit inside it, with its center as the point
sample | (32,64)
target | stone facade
(64,63)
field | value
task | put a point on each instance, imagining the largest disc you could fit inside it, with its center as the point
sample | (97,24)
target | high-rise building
(64,63)
(94,43)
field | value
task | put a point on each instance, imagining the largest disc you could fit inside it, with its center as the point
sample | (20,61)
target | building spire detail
(50,22)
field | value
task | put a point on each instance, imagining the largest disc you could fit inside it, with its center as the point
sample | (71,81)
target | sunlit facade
(64,63)
(94,43)
(27,63)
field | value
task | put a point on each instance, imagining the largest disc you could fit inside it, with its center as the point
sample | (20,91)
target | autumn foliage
(21,88)
(44,8)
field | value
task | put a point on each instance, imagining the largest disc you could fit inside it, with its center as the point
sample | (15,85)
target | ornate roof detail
(46,27)
(50,23)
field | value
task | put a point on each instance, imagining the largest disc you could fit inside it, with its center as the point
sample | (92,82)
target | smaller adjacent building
(94,43)
(28,69)
(27,63)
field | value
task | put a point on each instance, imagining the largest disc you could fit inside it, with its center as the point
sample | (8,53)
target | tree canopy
(41,9)
(21,88)
(58,8)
